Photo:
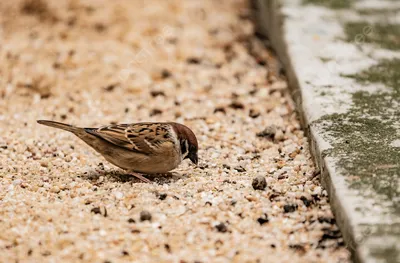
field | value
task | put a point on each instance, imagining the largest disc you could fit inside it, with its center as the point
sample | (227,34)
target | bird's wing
(143,138)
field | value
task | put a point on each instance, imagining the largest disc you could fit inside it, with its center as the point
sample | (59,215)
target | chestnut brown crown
(188,142)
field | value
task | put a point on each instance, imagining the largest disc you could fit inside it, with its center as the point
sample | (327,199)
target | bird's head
(188,142)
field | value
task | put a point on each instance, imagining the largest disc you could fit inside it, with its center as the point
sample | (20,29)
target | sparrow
(139,148)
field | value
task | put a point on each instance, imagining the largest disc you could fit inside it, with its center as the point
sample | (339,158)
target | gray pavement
(342,59)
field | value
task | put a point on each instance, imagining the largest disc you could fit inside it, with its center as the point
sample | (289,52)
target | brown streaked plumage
(147,147)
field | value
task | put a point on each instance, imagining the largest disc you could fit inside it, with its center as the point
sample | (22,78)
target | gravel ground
(97,62)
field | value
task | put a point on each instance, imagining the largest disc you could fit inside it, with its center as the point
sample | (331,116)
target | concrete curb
(368,218)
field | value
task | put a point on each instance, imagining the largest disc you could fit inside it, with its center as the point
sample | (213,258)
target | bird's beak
(193,157)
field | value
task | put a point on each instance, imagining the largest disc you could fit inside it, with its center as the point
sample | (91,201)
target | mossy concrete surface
(336,4)
(342,59)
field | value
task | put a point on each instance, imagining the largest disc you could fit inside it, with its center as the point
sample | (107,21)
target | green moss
(335,4)
(386,72)
(391,253)
(384,34)
(378,11)
(366,131)
(325,59)
(384,252)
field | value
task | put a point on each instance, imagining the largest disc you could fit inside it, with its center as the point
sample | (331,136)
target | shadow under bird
(139,148)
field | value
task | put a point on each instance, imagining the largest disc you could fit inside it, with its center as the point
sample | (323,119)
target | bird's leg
(139,176)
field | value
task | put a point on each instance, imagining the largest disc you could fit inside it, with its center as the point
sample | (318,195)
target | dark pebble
(263,219)
(327,220)
(268,132)
(220,109)
(46,253)
(96,210)
(154,112)
(225,166)
(289,208)
(193,60)
(259,183)
(299,248)
(221,227)
(100,27)
(145,216)
(240,169)
(229,181)
(162,196)
(167,248)
(273,196)
(165,73)
(156,93)
(236,105)
(253,113)
(316,198)
(203,166)
(306,202)
(110,87)
(330,236)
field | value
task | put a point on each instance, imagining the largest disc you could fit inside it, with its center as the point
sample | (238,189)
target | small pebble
(306,202)
(221,227)
(279,136)
(263,219)
(145,216)
(240,169)
(259,183)
(44,164)
(162,196)
(236,105)
(289,208)
(96,210)
(251,198)
(154,112)
(220,109)
(254,113)
(156,93)
(193,60)
(268,132)
(280,164)
(165,73)
(118,195)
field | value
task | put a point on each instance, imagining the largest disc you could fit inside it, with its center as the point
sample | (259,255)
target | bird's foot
(140,177)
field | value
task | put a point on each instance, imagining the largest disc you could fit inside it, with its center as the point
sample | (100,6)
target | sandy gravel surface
(91,63)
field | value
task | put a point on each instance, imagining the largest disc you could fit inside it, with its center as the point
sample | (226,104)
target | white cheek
(187,151)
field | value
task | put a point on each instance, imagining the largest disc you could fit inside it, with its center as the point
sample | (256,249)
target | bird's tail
(60,125)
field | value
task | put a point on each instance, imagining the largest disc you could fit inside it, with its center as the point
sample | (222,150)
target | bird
(139,148)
